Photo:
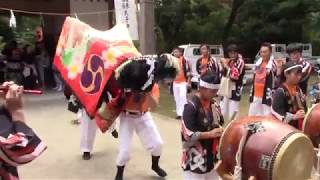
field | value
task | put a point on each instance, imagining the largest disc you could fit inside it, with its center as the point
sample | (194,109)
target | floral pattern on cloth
(86,58)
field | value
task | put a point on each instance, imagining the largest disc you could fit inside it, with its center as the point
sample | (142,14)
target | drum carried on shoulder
(265,148)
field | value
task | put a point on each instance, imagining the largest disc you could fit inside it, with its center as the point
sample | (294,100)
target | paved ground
(62,160)
(48,116)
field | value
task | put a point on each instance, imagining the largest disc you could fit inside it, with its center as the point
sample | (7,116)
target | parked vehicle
(307,54)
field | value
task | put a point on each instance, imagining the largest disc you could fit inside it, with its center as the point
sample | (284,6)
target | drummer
(201,129)
(289,104)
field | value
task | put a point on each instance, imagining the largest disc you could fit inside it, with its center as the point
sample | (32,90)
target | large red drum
(311,124)
(273,150)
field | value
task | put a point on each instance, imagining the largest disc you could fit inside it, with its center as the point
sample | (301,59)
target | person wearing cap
(294,50)
(181,82)
(264,82)
(201,130)
(289,104)
(233,67)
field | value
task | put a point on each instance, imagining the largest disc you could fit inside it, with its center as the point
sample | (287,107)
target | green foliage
(24,33)
(5,31)
(312,33)
(185,21)
(246,22)
(25,30)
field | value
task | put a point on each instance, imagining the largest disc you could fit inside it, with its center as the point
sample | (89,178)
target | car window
(214,51)
(306,48)
(196,52)
(279,49)
(182,50)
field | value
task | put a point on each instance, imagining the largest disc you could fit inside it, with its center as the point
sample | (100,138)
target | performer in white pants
(233,68)
(229,108)
(146,130)
(257,108)
(180,97)
(136,118)
(180,85)
(88,133)
(264,82)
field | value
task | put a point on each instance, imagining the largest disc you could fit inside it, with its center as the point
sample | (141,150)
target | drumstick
(234,114)
(25,91)
(298,98)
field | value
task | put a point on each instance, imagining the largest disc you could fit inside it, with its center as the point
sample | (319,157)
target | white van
(192,53)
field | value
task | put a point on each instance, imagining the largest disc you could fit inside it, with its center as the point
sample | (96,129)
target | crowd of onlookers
(29,65)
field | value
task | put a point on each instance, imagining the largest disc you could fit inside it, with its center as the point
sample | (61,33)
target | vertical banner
(126,13)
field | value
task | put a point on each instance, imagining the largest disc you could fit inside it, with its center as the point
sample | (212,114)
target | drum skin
(279,151)
(311,125)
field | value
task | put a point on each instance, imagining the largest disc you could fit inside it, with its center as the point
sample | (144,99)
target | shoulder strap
(284,90)
(195,102)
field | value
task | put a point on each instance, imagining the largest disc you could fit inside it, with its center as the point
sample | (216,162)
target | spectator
(41,56)
(233,68)
(181,82)
(207,62)
(263,83)
(29,72)
(14,65)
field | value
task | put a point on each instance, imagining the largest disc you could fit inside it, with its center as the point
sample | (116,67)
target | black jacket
(270,83)
(284,106)
(240,66)
(195,121)
(213,65)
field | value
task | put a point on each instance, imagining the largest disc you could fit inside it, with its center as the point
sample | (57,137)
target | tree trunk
(236,4)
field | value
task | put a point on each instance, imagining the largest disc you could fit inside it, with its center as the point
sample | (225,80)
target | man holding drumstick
(201,130)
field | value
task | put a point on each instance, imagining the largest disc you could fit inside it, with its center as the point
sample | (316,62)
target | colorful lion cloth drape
(86,58)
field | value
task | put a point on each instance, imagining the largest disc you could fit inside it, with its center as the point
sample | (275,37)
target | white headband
(292,67)
(208,85)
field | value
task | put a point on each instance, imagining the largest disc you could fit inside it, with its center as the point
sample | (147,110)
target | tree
(246,22)
(236,4)
(190,21)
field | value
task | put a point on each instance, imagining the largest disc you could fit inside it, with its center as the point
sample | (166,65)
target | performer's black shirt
(199,155)
(285,104)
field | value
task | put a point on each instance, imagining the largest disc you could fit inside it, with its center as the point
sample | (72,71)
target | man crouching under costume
(201,130)
(138,79)
(18,143)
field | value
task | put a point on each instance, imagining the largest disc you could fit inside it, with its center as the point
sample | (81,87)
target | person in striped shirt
(233,67)
(294,50)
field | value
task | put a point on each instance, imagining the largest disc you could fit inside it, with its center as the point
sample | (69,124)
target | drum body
(274,150)
(311,125)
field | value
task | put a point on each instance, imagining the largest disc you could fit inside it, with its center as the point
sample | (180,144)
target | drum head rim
(222,138)
(283,149)
(306,118)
